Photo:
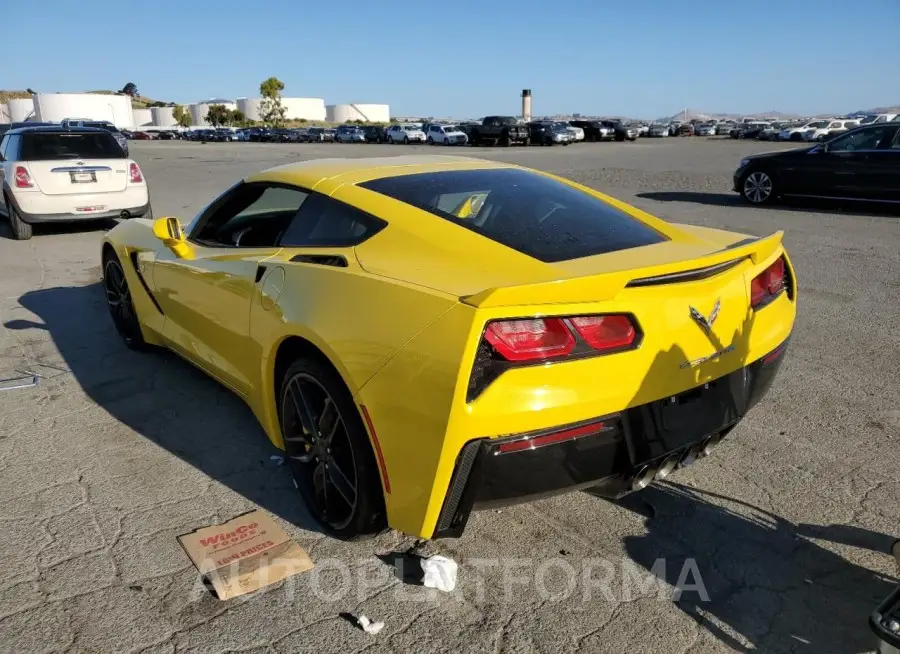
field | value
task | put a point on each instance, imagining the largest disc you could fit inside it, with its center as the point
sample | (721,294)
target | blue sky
(643,58)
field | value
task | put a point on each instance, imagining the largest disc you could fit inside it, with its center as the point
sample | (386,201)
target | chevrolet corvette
(425,336)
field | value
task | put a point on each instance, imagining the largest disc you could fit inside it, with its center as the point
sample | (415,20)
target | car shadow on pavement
(794,204)
(768,583)
(163,399)
(48,229)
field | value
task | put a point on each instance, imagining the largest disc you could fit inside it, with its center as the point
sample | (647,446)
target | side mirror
(169,231)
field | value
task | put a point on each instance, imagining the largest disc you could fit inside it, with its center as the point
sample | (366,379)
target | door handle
(260,271)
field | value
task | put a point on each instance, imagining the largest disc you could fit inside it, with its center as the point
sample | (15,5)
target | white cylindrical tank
(21,109)
(200,109)
(4,114)
(294,108)
(142,117)
(54,107)
(369,113)
(249,107)
(304,108)
(162,116)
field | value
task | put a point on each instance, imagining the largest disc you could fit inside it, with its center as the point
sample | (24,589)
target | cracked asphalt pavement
(778,541)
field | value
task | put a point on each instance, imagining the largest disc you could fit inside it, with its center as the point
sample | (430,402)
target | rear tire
(334,468)
(21,230)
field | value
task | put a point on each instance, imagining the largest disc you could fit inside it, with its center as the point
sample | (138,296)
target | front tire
(328,452)
(120,304)
(758,187)
(21,230)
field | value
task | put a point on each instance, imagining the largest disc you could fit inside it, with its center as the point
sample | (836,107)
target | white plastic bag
(439,572)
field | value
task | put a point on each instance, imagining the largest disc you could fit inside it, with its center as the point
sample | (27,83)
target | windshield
(51,146)
(819,123)
(869,119)
(451,128)
(411,128)
(532,214)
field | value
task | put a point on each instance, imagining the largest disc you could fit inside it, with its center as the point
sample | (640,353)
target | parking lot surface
(778,540)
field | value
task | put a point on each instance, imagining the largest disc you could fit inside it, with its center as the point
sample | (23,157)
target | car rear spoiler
(605,286)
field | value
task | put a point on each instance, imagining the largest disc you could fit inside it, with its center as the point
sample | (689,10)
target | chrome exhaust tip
(691,454)
(668,466)
(711,444)
(643,478)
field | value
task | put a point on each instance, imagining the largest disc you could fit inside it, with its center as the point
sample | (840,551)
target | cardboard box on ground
(244,554)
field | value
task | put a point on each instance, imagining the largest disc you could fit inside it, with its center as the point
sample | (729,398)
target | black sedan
(863,164)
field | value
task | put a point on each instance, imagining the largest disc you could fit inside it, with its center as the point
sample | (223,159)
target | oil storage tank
(200,109)
(368,113)
(54,107)
(294,108)
(162,116)
(142,117)
(21,109)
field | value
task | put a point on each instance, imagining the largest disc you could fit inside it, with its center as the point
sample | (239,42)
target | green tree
(181,115)
(270,109)
(236,117)
(217,115)
(130,89)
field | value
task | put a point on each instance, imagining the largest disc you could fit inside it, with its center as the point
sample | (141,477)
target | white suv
(406,134)
(446,134)
(831,128)
(57,174)
(796,133)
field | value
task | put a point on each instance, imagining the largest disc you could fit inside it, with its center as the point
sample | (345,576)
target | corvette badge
(703,321)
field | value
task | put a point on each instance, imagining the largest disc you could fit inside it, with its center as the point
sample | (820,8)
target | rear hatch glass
(55,146)
(530,213)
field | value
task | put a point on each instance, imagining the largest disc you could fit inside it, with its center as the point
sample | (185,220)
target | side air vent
(334,260)
(137,270)
(685,275)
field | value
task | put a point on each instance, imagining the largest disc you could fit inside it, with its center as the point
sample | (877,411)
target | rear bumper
(134,201)
(609,458)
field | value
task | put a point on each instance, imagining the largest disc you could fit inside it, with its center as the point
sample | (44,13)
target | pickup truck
(499,130)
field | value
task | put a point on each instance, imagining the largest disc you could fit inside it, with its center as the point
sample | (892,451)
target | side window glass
(863,139)
(324,222)
(252,215)
(3,147)
(896,144)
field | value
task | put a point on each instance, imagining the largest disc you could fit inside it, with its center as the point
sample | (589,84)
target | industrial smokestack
(526,105)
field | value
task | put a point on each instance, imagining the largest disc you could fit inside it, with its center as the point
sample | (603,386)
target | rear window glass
(530,213)
(49,146)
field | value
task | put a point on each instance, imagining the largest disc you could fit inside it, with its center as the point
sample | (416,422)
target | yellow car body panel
(402,321)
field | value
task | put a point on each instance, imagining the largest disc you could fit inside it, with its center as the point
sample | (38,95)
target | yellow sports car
(429,335)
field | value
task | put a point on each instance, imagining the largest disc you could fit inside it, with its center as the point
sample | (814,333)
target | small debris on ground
(439,572)
(366,624)
(277,459)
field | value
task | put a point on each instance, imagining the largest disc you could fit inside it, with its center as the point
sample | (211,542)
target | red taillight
(23,179)
(135,172)
(768,283)
(549,439)
(530,340)
(606,332)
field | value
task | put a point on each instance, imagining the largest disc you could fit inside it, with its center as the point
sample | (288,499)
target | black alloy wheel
(121,307)
(328,452)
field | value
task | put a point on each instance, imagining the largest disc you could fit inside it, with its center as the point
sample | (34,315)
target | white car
(57,174)
(878,118)
(446,135)
(796,133)
(576,132)
(836,126)
(405,134)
